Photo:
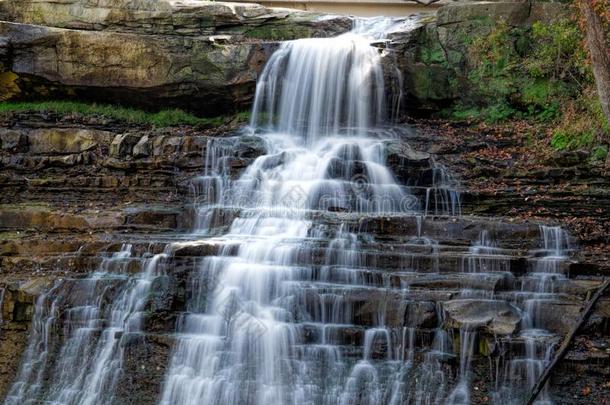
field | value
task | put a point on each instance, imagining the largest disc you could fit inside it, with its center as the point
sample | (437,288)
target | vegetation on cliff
(161,119)
(542,74)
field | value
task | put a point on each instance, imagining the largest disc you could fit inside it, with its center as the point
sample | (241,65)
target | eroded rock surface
(201,56)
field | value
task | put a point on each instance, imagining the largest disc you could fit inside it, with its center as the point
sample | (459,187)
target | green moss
(432,55)
(165,118)
(8,236)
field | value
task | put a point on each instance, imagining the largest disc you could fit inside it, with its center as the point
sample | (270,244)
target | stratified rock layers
(201,56)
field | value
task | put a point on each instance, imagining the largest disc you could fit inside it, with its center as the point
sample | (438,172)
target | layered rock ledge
(197,55)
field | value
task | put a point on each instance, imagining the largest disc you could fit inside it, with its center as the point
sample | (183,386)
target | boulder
(142,148)
(492,316)
(145,71)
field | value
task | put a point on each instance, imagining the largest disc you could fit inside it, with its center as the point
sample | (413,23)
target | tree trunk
(600,53)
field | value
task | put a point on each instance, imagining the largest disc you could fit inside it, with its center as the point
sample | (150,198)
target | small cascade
(487,261)
(99,312)
(208,190)
(442,196)
(461,393)
(537,289)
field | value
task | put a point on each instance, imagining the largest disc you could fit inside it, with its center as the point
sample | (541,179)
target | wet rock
(420,314)
(243,147)
(162,292)
(410,166)
(557,316)
(145,359)
(493,316)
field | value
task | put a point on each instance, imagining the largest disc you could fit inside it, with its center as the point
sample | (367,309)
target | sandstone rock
(142,148)
(123,145)
(494,316)
(189,54)
(13,140)
(171,17)
(65,140)
(512,12)
(145,71)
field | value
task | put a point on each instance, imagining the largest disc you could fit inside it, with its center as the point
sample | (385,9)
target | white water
(317,104)
(89,361)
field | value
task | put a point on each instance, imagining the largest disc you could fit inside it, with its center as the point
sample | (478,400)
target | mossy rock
(279,32)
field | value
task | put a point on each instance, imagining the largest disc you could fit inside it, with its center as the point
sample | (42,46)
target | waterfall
(317,105)
(327,278)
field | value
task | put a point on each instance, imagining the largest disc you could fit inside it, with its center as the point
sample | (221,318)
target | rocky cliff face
(203,56)
(434,57)
(75,188)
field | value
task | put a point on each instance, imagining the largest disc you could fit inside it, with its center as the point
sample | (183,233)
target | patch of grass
(161,119)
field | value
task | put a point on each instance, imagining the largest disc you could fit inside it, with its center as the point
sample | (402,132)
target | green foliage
(498,112)
(559,140)
(557,52)
(583,124)
(540,74)
(491,114)
(600,153)
(565,140)
(525,73)
(165,118)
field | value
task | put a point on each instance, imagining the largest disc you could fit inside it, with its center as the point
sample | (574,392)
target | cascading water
(315,104)
(100,310)
(537,288)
